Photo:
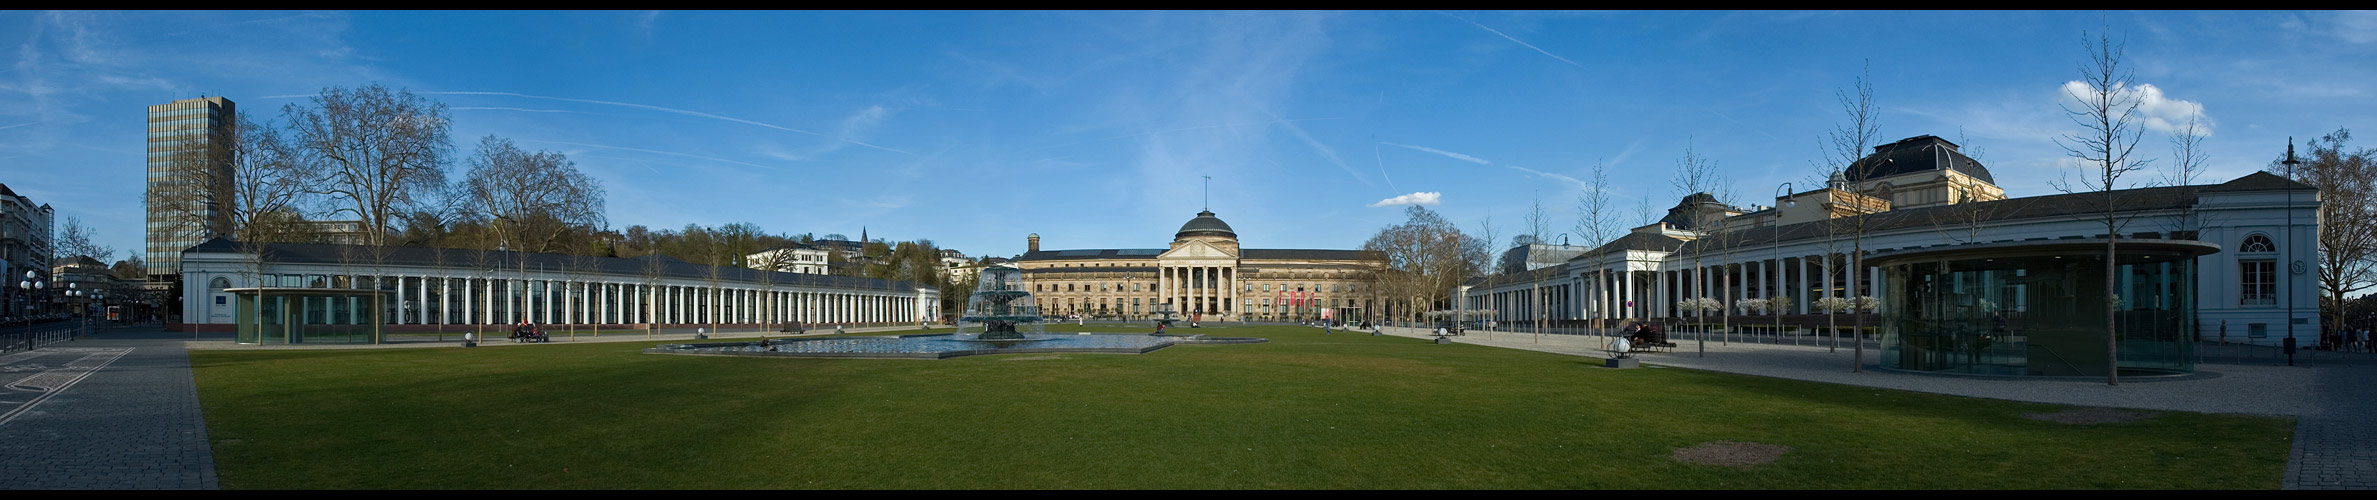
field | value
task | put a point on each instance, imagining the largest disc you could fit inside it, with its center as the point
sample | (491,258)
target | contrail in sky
(637,106)
(720,160)
(1520,42)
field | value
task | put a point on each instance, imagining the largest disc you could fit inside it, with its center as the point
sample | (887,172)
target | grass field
(1303,411)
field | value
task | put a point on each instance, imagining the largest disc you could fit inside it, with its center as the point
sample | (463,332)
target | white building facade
(426,286)
(2259,288)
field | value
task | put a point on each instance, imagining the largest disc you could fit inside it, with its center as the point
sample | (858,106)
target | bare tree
(1846,153)
(769,262)
(2106,108)
(379,148)
(583,268)
(1596,224)
(541,195)
(1539,229)
(74,240)
(655,270)
(2347,184)
(1426,256)
(1694,178)
(1489,235)
(2188,155)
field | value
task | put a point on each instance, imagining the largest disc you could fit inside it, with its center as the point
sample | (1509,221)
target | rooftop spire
(1208,189)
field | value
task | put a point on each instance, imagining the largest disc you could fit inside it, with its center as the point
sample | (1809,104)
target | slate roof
(1306,254)
(1109,253)
(1634,241)
(2073,205)
(452,258)
(2257,181)
(1243,254)
(1074,270)
(1205,225)
(1917,154)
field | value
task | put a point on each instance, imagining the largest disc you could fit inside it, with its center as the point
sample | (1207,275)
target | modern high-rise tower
(189,193)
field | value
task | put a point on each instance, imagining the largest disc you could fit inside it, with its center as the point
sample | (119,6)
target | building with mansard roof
(1965,280)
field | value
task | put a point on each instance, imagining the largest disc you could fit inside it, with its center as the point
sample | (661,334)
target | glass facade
(308,316)
(189,177)
(2039,310)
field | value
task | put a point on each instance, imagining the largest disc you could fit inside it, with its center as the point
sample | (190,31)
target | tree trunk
(2112,337)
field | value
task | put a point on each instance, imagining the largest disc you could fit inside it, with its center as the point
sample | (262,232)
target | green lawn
(1303,411)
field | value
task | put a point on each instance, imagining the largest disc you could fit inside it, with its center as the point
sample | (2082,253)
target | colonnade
(1199,289)
(1605,293)
(438,299)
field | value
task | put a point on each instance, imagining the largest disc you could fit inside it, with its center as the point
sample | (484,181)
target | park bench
(1649,338)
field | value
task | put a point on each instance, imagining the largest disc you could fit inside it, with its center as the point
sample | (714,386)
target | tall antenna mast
(1208,189)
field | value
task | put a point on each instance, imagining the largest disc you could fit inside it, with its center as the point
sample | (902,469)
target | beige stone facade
(1204,273)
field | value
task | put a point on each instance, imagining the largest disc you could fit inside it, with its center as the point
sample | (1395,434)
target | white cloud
(2155,111)
(1419,198)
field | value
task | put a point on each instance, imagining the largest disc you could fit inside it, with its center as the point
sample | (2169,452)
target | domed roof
(1205,225)
(1700,205)
(1918,154)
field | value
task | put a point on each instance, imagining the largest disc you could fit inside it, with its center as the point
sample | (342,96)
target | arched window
(2257,242)
(218,284)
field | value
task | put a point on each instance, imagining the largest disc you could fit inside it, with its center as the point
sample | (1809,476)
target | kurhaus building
(1958,269)
(422,287)
(1205,273)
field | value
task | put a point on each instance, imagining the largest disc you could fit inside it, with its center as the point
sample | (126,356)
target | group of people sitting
(528,332)
(1642,335)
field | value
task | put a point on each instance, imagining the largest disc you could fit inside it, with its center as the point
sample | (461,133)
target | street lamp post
(1784,192)
(75,293)
(30,286)
(2291,266)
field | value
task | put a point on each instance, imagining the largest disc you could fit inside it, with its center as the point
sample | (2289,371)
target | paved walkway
(120,410)
(2332,395)
(114,411)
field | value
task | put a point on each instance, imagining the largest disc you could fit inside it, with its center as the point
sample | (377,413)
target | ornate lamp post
(31,285)
(77,294)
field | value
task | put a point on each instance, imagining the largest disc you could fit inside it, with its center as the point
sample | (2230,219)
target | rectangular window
(2257,283)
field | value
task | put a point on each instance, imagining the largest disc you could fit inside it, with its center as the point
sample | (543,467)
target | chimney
(1035,243)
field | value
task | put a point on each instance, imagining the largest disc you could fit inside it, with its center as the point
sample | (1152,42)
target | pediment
(1198,250)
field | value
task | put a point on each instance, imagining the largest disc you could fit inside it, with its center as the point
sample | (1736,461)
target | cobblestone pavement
(2333,396)
(115,411)
(2336,447)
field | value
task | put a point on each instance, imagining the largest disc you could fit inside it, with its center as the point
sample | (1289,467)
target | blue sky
(1095,129)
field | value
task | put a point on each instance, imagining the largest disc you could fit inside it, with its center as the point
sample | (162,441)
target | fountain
(1000,318)
(999,309)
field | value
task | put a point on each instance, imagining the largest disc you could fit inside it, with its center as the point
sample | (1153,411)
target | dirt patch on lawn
(2091,416)
(1731,453)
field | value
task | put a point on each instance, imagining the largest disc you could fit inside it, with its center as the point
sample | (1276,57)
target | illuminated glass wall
(2011,313)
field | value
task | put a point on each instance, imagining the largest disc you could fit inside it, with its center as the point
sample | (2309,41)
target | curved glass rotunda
(2037,308)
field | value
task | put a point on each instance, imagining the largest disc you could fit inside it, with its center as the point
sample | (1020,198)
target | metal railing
(26,338)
